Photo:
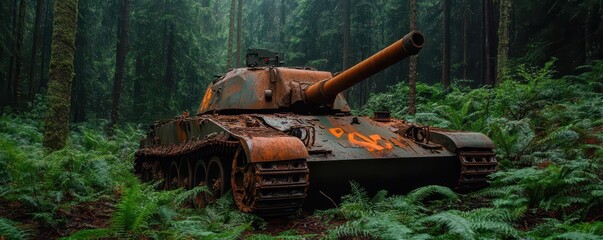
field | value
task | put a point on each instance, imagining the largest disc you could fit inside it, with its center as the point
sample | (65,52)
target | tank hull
(330,180)
(276,164)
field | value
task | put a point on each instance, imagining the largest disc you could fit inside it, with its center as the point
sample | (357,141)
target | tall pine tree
(61,74)
(412,71)
(120,60)
(503,40)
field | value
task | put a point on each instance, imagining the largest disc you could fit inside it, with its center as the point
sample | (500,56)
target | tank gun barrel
(324,92)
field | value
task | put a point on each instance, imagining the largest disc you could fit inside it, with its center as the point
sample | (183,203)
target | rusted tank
(281,138)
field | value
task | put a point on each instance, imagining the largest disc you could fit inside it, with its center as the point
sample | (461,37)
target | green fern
(9,231)
(285,235)
(453,223)
(101,233)
(189,195)
(422,193)
(577,236)
(133,212)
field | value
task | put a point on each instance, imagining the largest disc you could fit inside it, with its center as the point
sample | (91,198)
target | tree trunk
(503,40)
(346,34)
(169,67)
(488,71)
(412,67)
(482,65)
(137,99)
(82,75)
(346,39)
(6,97)
(45,45)
(230,34)
(446,45)
(120,59)
(239,31)
(19,55)
(465,39)
(282,27)
(587,36)
(34,48)
(61,74)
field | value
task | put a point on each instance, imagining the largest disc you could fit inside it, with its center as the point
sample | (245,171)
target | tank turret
(324,92)
(265,86)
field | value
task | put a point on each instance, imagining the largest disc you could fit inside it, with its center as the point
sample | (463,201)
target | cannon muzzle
(324,92)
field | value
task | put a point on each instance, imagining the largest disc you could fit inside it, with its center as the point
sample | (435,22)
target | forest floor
(90,215)
(97,214)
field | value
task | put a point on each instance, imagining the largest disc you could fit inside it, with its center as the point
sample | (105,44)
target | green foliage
(89,167)
(416,216)
(133,212)
(477,223)
(9,231)
(554,188)
(144,212)
(555,229)
(285,235)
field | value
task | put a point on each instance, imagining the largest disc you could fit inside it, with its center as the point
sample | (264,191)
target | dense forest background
(529,74)
(178,46)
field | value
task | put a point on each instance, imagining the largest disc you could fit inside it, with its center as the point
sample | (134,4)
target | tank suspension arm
(324,92)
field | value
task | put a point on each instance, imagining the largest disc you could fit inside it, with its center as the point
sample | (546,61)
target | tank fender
(261,149)
(264,149)
(457,140)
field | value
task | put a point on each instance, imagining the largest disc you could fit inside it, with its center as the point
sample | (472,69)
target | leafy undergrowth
(548,132)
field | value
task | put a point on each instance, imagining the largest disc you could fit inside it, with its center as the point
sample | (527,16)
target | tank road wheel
(269,188)
(200,179)
(215,179)
(185,173)
(154,173)
(173,177)
(242,181)
(146,171)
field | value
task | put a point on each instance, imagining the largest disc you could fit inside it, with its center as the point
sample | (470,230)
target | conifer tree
(503,40)
(61,74)
(412,72)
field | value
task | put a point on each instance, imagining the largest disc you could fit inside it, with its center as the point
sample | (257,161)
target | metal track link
(476,165)
(279,187)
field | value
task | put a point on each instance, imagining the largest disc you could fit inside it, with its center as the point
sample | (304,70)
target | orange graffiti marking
(337,132)
(371,143)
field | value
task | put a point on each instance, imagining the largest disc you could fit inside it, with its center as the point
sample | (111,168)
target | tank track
(272,188)
(476,165)
(275,188)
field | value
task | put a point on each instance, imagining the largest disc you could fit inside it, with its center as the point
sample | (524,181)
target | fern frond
(189,195)
(348,229)
(286,235)
(133,212)
(577,236)
(422,193)
(101,233)
(453,222)
(9,231)
(357,194)
(379,197)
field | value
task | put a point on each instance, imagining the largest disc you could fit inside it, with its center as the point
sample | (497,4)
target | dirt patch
(89,215)
(304,224)
(69,219)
